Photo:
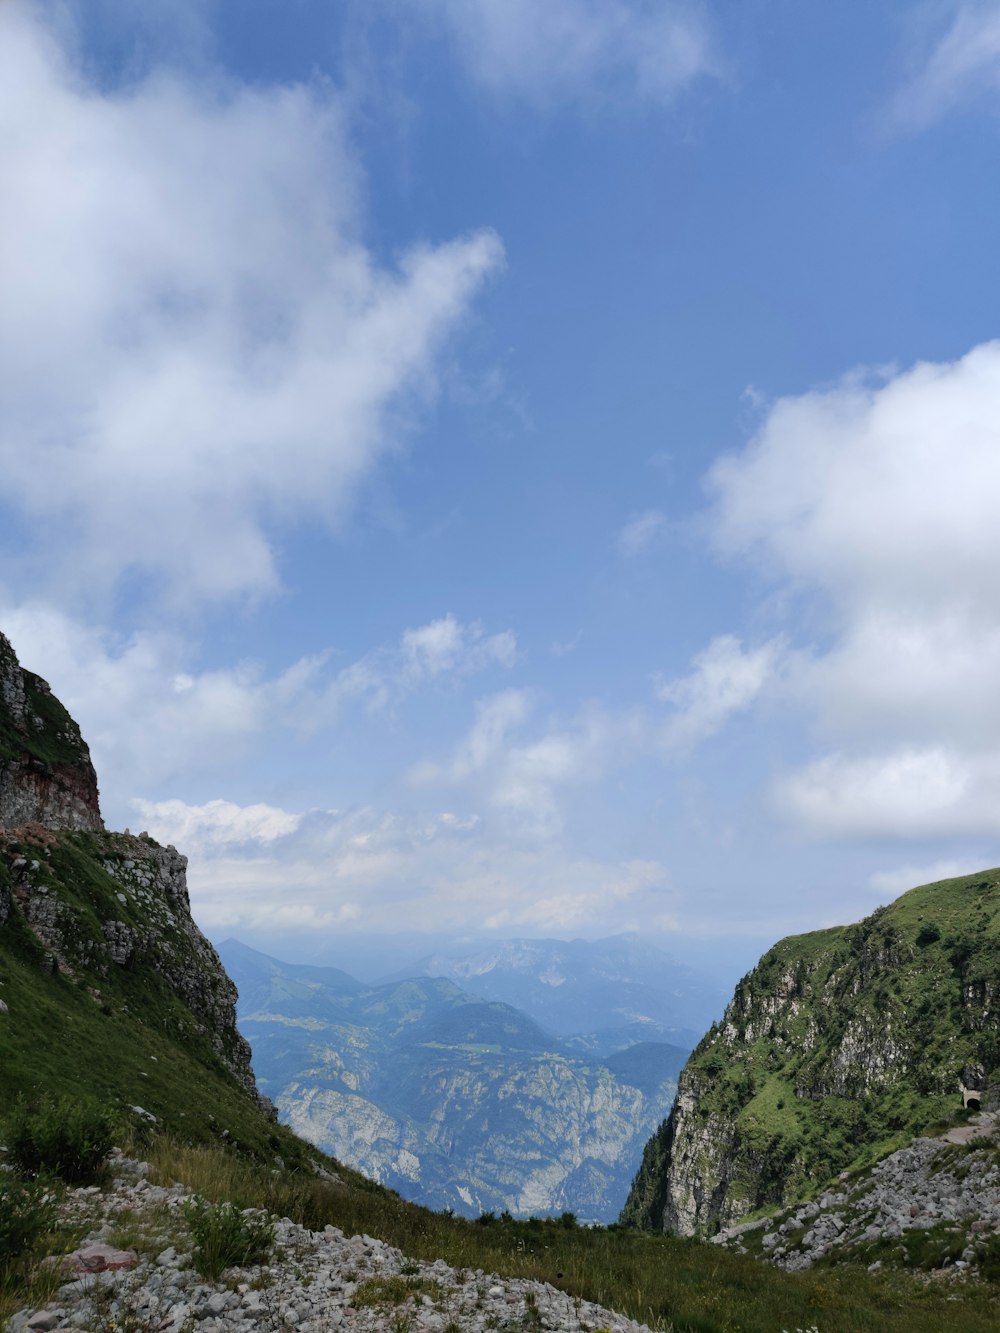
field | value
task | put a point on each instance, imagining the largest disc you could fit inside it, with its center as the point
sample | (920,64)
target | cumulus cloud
(875,501)
(521,775)
(151,716)
(216,824)
(640,532)
(963,63)
(903,793)
(196,347)
(260,868)
(574,50)
(726,679)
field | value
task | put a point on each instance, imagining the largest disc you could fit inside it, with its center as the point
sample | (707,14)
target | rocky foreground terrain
(311,1280)
(934,1204)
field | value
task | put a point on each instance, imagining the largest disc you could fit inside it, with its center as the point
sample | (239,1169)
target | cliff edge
(838,1048)
(45,771)
(96,925)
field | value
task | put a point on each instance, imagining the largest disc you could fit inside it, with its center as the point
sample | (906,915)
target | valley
(454,1101)
(817,1138)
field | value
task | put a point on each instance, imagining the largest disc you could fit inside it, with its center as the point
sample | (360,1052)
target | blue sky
(483,468)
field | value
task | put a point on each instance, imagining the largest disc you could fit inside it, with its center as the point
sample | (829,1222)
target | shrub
(928,934)
(226,1238)
(65,1136)
(27,1212)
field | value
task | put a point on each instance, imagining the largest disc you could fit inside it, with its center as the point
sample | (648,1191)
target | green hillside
(838,1047)
(76,1022)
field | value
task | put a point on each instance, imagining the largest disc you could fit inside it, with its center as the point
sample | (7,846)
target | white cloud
(145,713)
(522,777)
(441,648)
(266,869)
(150,717)
(963,63)
(905,793)
(876,500)
(640,532)
(195,346)
(727,678)
(446,646)
(572,50)
(215,824)
(880,491)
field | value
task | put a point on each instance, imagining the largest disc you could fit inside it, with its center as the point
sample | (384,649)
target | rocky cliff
(95,925)
(45,771)
(838,1048)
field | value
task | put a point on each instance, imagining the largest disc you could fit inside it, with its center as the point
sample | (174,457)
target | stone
(98,1257)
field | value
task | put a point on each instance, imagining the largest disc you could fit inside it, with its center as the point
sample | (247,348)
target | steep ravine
(839,1047)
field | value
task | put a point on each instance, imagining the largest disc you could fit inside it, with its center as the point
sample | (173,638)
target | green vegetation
(394,1290)
(154,1052)
(225,1238)
(63,1136)
(55,740)
(27,1214)
(839,1047)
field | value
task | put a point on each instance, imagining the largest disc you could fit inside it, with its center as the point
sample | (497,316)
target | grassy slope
(916,985)
(115,1033)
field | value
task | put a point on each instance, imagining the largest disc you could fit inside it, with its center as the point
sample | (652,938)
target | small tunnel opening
(972,1104)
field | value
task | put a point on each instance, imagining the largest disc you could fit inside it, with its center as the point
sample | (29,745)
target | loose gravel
(312,1282)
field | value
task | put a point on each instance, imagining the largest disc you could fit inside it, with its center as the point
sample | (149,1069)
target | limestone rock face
(46,776)
(100,905)
(838,1048)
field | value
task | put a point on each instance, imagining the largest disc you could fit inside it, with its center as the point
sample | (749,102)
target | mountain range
(455,1101)
(604,994)
(843,1111)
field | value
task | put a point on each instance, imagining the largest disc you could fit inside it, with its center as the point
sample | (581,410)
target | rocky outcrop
(309,1281)
(837,1048)
(46,775)
(104,909)
(930,1205)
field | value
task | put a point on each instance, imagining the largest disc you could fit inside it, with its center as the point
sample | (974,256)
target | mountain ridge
(838,1048)
(578,987)
(455,1101)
